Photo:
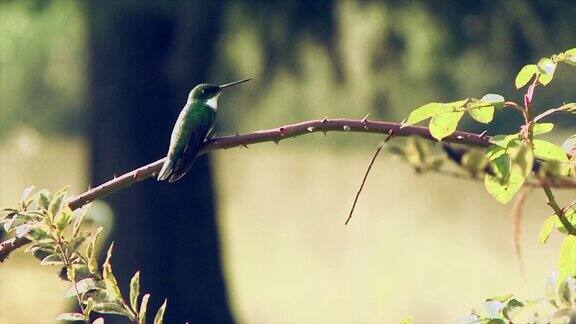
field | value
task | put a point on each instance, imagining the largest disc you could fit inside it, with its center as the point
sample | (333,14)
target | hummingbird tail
(166,170)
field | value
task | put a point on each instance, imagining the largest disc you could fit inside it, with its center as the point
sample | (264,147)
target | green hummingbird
(192,126)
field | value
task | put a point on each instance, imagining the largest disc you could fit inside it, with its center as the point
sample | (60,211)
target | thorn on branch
(346,128)
(365,119)
(324,120)
(310,129)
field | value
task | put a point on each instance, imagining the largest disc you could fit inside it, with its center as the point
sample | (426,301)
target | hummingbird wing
(185,161)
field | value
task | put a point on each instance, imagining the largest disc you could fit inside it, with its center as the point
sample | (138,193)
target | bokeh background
(91,89)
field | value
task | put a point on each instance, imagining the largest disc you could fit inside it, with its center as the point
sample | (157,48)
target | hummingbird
(192,126)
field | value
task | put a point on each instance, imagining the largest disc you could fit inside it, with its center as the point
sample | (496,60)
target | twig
(270,135)
(558,211)
(380,146)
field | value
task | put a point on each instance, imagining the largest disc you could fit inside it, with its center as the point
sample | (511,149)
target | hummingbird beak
(233,83)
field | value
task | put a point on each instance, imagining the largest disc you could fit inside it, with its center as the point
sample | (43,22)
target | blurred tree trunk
(145,57)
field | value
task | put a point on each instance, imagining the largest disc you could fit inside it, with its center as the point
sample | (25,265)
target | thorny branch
(271,135)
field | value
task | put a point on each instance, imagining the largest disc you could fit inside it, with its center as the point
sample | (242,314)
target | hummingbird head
(208,93)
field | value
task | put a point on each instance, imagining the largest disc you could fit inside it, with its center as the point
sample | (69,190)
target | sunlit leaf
(159,318)
(91,253)
(502,298)
(109,278)
(53,259)
(445,124)
(566,291)
(427,111)
(525,75)
(567,259)
(503,140)
(110,308)
(135,290)
(99,320)
(143,308)
(71,317)
(570,56)
(542,128)
(546,68)
(83,286)
(547,151)
(512,308)
(26,193)
(547,228)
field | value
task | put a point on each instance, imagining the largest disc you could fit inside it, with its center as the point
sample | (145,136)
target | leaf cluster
(57,240)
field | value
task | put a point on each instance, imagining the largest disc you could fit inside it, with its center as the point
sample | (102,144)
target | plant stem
(558,211)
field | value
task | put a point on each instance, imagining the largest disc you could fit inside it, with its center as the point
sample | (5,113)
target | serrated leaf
(546,229)
(135,290)
(71,317)
(546,69)
(567,259)
(444,124)
(52,259)
(549,152)
(143,308)
(109,278)
(83,286)
(542,128)
(525,75)
(427,111)
(159,318)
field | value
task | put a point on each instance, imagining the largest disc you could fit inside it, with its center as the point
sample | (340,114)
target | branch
(558,211)
(270,135)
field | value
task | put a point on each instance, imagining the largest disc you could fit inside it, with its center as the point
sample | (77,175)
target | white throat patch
(213,102)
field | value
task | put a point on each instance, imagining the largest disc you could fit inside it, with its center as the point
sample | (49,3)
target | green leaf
(570,215)
(43,199)
(567,259)
(547,151)
(444,124)
(63,218)
(512,308)
(88,308)
(135,290)
(143,308)
(83,286)
(542,128)
(91,253)
(570,56)
(503,140)
(427,111)
(53,259)
(109,279)
(483,114)
(55,205)
(71,317)
(546,229)
(75,243)
(546,68)
(111,308)
(525,75)
(510,170)
(159,318)
(495,99)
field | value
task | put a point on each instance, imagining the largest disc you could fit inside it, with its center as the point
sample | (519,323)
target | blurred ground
(409,250)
